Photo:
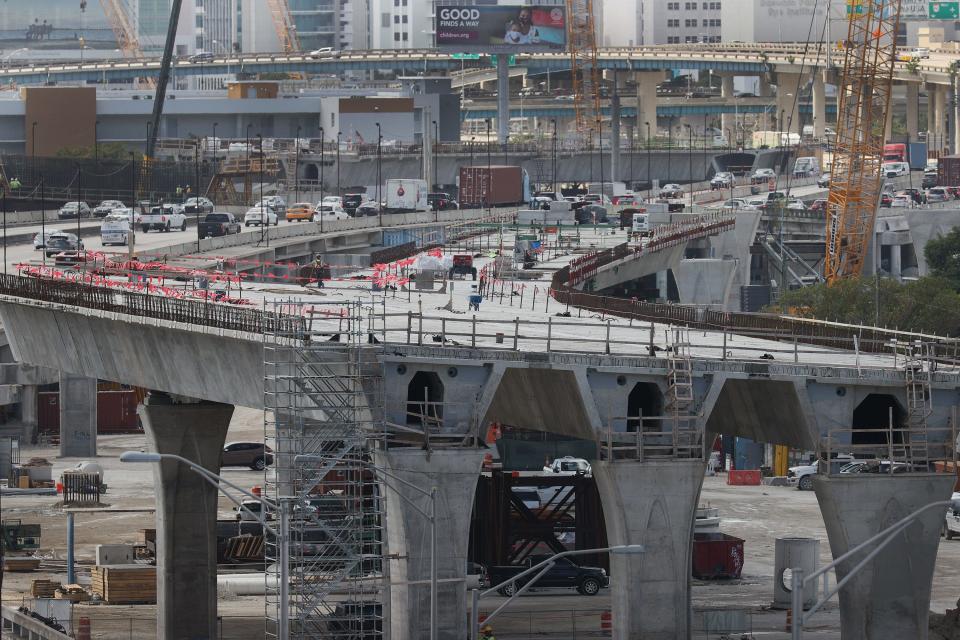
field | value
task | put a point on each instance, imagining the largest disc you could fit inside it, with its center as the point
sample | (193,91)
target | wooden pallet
(244,547)
(125,584)
(72,592)
(44,588)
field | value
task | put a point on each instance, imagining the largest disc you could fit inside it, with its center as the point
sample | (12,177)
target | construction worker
(188,190)
(15,185)
(486,633)
(179,191)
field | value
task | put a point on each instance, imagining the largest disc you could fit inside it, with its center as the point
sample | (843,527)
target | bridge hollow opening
(644,402)
(311,172)
(425,400)
(871,422)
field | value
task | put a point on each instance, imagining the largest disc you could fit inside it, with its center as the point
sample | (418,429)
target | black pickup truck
(218,224)
(564,574)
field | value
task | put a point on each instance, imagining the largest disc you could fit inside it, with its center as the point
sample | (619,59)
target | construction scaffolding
(323,403)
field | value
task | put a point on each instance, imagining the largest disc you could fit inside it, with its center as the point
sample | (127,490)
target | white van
(641,224)
(806,167)
(115,229)
(895,169)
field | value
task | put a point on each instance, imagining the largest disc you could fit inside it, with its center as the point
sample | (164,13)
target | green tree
(106,151)
(943,257)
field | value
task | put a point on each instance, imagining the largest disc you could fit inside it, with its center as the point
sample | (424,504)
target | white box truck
(406,195)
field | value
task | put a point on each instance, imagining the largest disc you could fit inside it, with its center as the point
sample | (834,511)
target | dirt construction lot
(759,515)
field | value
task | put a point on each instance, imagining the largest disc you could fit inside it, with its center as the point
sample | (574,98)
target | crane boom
(123,28)
(583,67)
(864,101)
(284,25)
(163,78)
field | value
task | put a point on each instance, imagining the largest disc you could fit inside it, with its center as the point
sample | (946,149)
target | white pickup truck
(164,218)
(802,475)
(951,526)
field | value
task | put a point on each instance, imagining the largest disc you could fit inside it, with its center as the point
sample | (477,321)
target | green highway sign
(944,10)
(466,56)
(511,61)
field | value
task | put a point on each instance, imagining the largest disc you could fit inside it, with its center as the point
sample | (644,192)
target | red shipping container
(116,411)
(717,555)
(743,476)
(493,186)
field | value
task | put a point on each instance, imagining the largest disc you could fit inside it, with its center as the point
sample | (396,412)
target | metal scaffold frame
(582,37)
(323,418)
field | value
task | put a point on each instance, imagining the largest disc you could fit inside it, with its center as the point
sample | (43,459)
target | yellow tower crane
(864,101)
(582,41)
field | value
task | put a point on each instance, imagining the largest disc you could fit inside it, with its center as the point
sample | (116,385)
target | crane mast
(582,38)
(123,28)
(284,25)
(863,103)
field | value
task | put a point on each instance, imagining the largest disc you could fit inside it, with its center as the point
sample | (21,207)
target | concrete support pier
(454,473)
(788,84)
(654,504)
(889,599)
(728,121)
(186,513)
(503,99)
(913,111)
(78,416)
(647,82)
(819,105)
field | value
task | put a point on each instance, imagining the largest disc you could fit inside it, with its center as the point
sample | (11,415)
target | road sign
(944,10)
(855,6)
(466,56)
(511,61)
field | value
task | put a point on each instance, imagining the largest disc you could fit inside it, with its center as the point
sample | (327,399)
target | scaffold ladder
(916,369)
(680,393)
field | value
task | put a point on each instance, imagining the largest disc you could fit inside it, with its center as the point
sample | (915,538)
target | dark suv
(351,201)
(441,202)
(255,455)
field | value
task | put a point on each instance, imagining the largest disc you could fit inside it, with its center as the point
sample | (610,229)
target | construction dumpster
(717,555)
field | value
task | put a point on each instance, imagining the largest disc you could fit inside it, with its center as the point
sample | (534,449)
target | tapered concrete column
(78,416)
(186,513)
(819,106)
(653,504)
(454,473)
(890,598)
(763,86)
(931,114)
(647,82)
(940,116)
(888,124)
(728,121)
(615,172)
(788,85)
(913,111)
(895,267)
(28,412)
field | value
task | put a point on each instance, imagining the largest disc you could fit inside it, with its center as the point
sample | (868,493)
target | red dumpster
(744,476)
(717,555)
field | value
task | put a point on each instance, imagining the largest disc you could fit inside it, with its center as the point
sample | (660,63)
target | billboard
(501,28)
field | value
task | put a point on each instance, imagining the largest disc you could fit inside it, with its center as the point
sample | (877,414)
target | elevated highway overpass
(772,379)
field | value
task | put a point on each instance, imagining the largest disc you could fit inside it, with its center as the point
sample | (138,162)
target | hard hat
(486,627)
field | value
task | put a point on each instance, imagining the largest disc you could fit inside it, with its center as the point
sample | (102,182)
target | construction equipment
(17,536)
(856,177)
(163,78)
(124,28)
(582,39)
(283,23)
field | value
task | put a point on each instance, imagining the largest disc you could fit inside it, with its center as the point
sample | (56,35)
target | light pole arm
(215,480)
(551,560)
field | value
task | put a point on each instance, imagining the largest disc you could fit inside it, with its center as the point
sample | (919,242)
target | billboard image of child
(501,28)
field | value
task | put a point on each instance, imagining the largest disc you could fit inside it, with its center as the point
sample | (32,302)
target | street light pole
(649,175)
(196,196)
(132,237)
(436,140)
(486,196)
(322,144)
(554,123)
(379,174)
(296,168)
(33,152)
(339,192)
(690,158)
(96,142)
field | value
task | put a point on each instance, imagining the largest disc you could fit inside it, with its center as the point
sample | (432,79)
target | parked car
(218,224)
(198,205)
(74,209)
(570,466)
(723,180)
(255,506)
(58,242)
(300,212)
(441,202)
(106,207)
(255,455)
(200,56)
(324,52)
(762,175)
(329,213)
(564,574)
(874,466)
(802,475)
(40,242)
(671,190)
(260,215)
(951,526)
(824,180)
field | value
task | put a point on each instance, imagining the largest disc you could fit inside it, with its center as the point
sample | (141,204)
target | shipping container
(918,155)
(116,411)
(948,171)
(406,195)
(717,555)
(493,186)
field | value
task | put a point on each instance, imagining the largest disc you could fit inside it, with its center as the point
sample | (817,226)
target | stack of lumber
(72,592)
(125,584)
(245,547)
(44,588)
(20,563)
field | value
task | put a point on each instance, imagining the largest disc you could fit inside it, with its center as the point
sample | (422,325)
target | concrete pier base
(454,472)
(890,597)
(186,513)
(78,416)
(654,504)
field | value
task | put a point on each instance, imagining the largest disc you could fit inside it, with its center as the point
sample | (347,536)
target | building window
(385,20)
(199,22)
(396,37)
(405,19)
(673,6)
(673,39)
(405,36)
(690,22)
(673,23)
(396,19)
(690,6)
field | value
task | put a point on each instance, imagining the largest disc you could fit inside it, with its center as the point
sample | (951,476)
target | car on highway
(368,208)
(824,180)
(39,241)
(300,212)
(820,204)
(762,175)
(198,205)
(255,455)
(164,217)
(671,190)
(115,229)
(564,573)
(275,203)
(723,180)
(929,180)
(732,203)
(900,201)
(895,169)
(218,224)
(951,526)
(200,56)
(74,209)
(351,201)
(441,202)
(597,198)
(324,52)
(329,213)
(106,207)
(886,199)
(333,200)
(938,194)
(754,203)
(62,241)
(260,215)
(796,204)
